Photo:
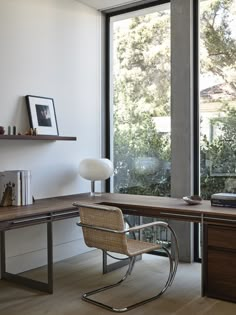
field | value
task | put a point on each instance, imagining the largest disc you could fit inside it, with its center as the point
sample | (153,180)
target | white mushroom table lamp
(94,170)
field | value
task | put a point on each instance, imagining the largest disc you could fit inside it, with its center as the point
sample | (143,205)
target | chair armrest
(143,226)
(98,228)
(134,228)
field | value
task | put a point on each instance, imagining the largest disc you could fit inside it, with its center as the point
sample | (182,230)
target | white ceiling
(106,4)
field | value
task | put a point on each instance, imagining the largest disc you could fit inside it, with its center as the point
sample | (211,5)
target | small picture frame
(42,115)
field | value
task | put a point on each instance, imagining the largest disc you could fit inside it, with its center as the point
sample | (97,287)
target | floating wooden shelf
(39,137)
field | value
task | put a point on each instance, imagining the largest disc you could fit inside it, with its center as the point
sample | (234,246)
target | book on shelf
(15,188)
(26,187)
(10,188)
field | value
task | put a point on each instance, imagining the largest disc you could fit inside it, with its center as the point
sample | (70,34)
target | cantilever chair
(104,228)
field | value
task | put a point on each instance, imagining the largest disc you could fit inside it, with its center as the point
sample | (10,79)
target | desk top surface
(135,204)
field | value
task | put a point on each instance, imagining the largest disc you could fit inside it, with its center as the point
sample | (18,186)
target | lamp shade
(95,169)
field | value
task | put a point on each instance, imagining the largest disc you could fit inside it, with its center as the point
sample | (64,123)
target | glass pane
(218,96)
(140,139)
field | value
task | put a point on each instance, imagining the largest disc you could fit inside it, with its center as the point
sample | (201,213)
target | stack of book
(15,188)
(224,200)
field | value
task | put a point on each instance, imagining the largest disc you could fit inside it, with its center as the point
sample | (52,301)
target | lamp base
(95,194)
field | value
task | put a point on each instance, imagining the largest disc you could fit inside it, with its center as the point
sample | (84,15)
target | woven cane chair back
(104,217)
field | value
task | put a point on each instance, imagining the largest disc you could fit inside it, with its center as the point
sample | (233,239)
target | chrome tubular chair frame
(173,261)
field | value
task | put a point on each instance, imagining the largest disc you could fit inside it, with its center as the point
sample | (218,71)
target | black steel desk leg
(20,279)
(203,264)
(50,257)
(3,254)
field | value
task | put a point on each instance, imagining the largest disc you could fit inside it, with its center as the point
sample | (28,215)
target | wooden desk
(219,229)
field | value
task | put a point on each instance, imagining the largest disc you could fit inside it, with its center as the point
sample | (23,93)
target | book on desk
(15,188)
(223,200)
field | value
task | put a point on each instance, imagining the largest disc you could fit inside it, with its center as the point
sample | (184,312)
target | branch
(217,54)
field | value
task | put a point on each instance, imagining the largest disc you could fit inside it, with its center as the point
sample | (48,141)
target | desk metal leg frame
(33,284)
(203,257)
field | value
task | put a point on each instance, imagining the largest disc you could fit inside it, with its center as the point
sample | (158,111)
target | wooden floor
(83,273)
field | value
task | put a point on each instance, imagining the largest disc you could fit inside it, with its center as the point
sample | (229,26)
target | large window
(218,96)
(151,140)
(140,101)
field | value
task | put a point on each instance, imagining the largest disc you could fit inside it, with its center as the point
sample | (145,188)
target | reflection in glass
(140,145)
(218,96)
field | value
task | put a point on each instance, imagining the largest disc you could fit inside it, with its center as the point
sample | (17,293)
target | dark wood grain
(220,261)
(39,137)
(151,205)
(221,275)
(134,204)
(222,237)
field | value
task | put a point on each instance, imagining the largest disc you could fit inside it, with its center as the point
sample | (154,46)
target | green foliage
(218,40)
(142,92)
(218,158)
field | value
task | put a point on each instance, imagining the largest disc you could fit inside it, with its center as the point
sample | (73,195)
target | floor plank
(82,273)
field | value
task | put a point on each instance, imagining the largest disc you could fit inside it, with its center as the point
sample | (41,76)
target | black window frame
(122,10)
(196,145)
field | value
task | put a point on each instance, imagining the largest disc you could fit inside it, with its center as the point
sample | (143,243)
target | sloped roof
(223,91)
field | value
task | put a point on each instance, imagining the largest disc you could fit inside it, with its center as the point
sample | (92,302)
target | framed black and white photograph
(42,115)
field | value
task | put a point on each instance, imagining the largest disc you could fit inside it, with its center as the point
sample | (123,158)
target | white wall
(49,48)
